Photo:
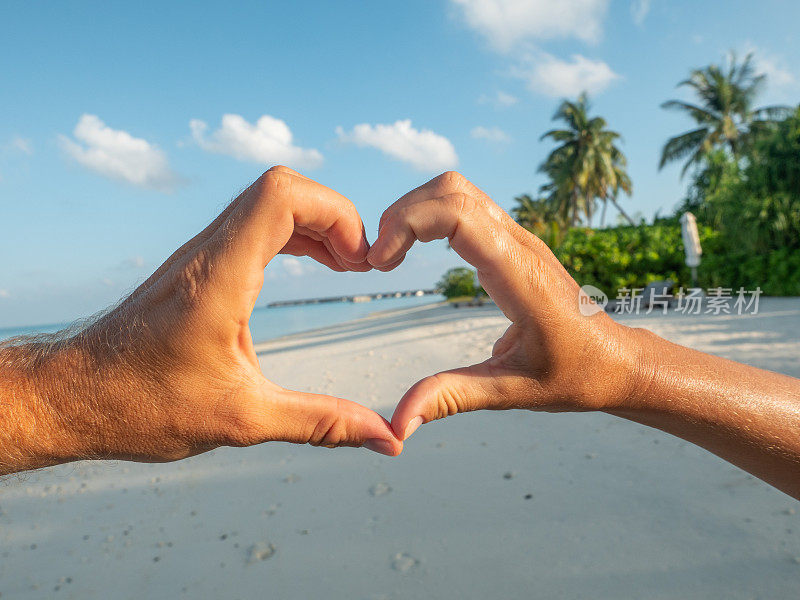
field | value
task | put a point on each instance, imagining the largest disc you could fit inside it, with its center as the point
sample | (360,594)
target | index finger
(264,221)
(449,207)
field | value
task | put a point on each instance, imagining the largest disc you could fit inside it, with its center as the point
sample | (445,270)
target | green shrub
(625,257)
(458,282)
(632,257)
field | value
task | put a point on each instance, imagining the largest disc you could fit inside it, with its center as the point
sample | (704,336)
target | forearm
(748,416)
(41,383)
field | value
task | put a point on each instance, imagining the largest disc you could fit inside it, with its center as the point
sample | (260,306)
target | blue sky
(103,174)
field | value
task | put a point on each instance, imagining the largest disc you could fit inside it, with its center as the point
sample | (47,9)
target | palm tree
(725,115)
(586,166)
(541,217)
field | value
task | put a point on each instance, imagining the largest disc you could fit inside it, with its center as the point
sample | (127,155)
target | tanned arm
(555,358)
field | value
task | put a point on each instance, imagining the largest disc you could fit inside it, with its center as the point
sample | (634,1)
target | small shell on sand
(380,489)
(403,562)
(260,551)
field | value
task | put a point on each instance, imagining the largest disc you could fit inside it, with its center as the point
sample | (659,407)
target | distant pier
(355,298)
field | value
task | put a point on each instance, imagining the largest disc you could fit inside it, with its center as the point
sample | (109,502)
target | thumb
(322,420)
(444,394)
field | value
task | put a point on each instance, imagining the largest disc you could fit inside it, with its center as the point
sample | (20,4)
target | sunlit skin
(172,372)
(553,358)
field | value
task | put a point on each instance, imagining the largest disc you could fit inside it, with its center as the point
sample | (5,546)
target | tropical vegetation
(744,190)
(724,114)
(586,167)
(457,283)
(540,216)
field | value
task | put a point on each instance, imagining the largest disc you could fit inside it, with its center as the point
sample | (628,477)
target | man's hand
(551,357)
(172,372)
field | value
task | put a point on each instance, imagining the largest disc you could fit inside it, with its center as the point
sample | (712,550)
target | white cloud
(771,65)
(517,25)
(558,78)
(500,99)
(490,134)
(423,149)
(117,154)
(639,10)
(268,141)
(23,145)
(5,294)
(776,74)
(296,267)
(134,262)
(506,22)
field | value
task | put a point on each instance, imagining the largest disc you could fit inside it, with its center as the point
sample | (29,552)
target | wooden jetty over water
(355,298)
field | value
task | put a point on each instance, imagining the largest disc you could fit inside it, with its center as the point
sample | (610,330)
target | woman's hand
(552,357)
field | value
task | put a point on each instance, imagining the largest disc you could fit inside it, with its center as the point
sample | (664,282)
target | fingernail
(412,426)
(380,446)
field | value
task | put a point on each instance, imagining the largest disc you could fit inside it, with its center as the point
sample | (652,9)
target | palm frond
(772,113)
(701,115)
(680,146)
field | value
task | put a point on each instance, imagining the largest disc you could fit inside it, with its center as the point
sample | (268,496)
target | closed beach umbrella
(691,243)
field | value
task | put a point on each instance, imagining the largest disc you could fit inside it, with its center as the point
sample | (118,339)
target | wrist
(64,399)
(640,369)
(616,367)
(38,382)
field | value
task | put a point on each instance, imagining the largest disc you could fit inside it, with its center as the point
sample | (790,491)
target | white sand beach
(484,505)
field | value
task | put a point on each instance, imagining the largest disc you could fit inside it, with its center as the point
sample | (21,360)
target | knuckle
(462,204)
(274,183)
(446,404)
(192,276)
(447,400)
(330,430)
(450,180)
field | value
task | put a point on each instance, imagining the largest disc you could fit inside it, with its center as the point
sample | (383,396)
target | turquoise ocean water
(269,323)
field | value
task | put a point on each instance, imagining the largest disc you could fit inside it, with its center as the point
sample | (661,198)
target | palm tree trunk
(622,212)
(589,210)
(574,221)
(603,213)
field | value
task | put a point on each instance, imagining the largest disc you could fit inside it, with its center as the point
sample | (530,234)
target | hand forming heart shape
(551,357)
(172,371)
